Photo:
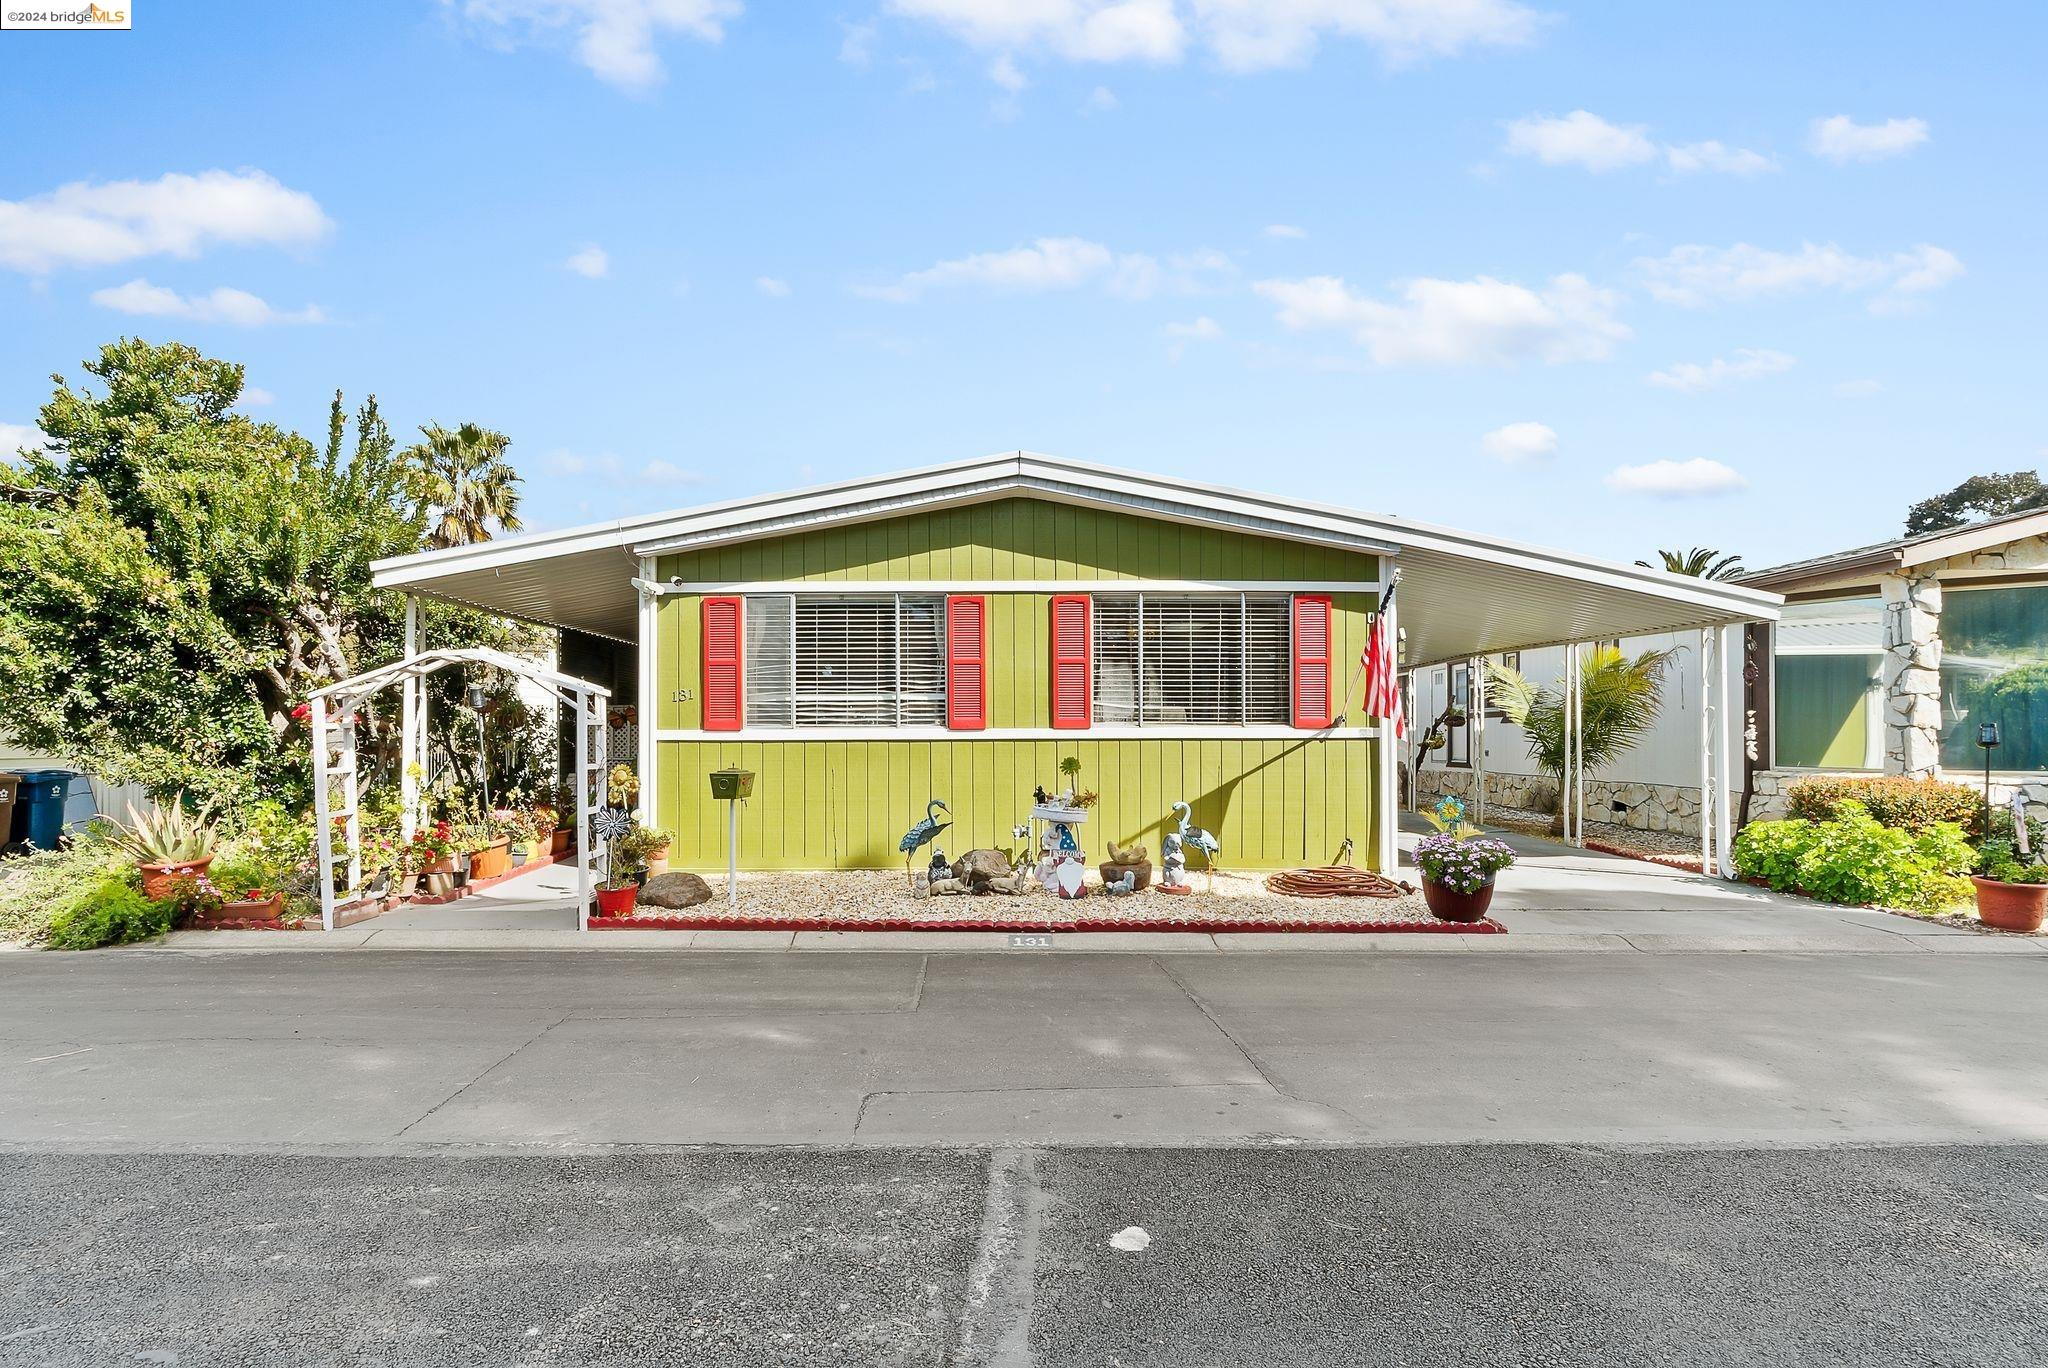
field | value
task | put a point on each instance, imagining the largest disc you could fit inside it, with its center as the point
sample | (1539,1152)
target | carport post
(410,688)
(1386,792)
(1477,722)
(1724,752)
(1709,649)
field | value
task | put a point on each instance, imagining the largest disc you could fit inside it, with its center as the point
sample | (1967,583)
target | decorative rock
(674,890)
(978,868)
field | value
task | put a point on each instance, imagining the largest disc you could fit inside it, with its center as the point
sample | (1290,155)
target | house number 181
(682,695)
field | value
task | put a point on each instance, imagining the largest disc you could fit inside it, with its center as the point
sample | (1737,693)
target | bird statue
(1198,838)
(923,832)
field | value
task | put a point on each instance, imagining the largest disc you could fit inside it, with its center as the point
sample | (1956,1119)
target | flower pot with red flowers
(617,902)
(255,904)
(166,844)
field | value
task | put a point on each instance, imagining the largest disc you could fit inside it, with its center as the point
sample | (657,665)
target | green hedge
(111,911)
(1891,799)
(1857,860)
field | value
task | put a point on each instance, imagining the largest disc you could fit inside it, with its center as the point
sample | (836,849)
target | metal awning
(1462,594)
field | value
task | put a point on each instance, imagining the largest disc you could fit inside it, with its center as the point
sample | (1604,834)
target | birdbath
(732,787)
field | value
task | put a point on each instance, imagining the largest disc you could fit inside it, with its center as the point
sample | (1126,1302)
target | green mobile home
(956,632)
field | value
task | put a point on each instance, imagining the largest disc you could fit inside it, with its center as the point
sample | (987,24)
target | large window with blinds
(1192,658)
(845,661)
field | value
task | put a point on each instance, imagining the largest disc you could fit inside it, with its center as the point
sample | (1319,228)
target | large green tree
(181,576)
(1977,498)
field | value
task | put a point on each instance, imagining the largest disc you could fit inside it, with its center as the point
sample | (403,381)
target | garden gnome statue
(941,867)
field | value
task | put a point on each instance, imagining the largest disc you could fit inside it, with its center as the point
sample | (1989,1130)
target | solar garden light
(1987,738)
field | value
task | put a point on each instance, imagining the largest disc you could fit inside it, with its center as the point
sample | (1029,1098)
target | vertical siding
(844,804)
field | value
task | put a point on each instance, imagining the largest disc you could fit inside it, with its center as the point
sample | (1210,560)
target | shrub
(33,887)
(1857,860)
(1892,799)
(1999,859)
(109,912)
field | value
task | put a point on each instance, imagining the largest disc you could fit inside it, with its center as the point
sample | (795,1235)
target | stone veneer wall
(1651,807)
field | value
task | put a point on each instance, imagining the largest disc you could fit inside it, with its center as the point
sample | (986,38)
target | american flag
(1382,677)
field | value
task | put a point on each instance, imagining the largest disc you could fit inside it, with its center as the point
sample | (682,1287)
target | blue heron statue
(1196,837)
(922,834)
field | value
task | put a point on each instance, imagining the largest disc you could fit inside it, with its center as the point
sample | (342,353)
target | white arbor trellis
(337,782)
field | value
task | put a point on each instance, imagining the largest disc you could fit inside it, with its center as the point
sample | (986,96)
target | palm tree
(1700,562)
(1621,700)
(464,478)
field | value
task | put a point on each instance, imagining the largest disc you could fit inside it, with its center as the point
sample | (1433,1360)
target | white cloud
(1580,139)
(1586,140)
(857,47)
(1241,35)
(1857,389)
(86,224)
(1695,275)
(221,305)
(1251,35)
(667,472)
(254,396)
(575,464)
(615,39)
(1063,263)
(1747,363)
(1003,71)
(772,286)
(1285,230)
(1520,443)
(1203,329)
(1842,139)
(15,436)
(590,262)
(1713,156)
(1460,322)
(1101,100)
(1694,479)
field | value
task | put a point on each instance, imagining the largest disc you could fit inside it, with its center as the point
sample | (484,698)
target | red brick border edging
(685,922)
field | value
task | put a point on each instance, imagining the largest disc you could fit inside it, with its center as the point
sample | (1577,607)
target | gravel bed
(840,897)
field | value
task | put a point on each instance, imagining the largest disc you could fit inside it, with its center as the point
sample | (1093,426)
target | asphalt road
(510,1159)
(1459,1256)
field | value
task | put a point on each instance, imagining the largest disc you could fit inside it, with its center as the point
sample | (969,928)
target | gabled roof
(1463,593)
(1901,553)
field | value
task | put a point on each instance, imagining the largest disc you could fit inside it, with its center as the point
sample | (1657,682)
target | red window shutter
(1073,673)
(967,662)
(1311,660)
(724,681)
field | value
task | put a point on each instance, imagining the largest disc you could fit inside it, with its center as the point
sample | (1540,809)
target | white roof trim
(1035,475)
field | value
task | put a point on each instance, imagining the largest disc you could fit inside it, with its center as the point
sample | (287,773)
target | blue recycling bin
(39,808)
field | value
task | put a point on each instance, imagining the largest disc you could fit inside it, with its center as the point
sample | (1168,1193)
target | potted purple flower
(1458,864)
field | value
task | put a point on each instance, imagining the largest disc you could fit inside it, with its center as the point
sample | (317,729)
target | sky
(1608,277)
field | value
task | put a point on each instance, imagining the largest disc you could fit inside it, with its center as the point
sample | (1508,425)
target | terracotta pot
(561,841)
(542,846)
(1447,904)
(2010,907)
(657,863)
(157,878)
(617,902)
(245,909)
(493,860)
(408,884)
(444,865)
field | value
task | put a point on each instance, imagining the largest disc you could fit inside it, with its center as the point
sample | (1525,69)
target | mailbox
(728,784)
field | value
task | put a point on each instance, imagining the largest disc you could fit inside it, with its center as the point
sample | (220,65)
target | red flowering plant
(428,847)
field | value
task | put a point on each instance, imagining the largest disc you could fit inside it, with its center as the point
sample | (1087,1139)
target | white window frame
(895,721)
(1243,599)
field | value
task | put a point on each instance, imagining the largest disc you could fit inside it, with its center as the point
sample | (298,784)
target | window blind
(1202,658)
(845,661)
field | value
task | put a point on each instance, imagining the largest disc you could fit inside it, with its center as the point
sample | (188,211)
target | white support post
(412,688)
(1477,723)
(579,790)
(647,709)
(323,829)
(1572,799)
(1708,701)
(1386,796)
(1724,753)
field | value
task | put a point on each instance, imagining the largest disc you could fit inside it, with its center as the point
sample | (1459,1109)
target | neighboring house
(1886,659)
(955,632)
